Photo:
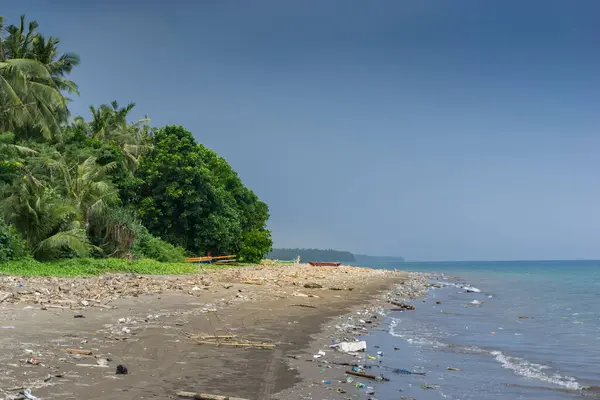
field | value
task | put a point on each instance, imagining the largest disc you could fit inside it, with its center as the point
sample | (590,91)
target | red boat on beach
(324,264)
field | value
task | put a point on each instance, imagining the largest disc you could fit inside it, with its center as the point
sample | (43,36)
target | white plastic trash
(351,347)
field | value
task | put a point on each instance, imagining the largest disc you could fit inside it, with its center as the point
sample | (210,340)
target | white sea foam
(534,371)
(421,340)
(518,365)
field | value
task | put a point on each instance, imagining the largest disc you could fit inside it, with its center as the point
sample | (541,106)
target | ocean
(532,331)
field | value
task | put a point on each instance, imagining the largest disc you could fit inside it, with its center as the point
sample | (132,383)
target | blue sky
(437,130)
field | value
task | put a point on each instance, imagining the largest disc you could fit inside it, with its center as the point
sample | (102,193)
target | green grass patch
(93,267)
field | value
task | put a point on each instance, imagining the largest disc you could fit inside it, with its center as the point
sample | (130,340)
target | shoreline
(144,323)
(325,375)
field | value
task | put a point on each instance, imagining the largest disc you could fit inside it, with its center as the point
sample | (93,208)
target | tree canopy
(107,186)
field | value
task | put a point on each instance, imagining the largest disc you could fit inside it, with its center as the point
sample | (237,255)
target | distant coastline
(329,255)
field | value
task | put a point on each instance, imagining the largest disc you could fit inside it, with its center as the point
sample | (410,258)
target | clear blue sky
(437,130)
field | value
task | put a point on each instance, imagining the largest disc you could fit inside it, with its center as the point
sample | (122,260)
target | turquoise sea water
(532,332)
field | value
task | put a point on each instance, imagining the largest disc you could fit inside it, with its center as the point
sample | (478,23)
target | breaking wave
(534,371)
(518,365)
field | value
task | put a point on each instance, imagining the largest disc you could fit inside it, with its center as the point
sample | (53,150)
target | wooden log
(205,396)
(237,344)
(6,296)
(303,305)
(82,352)
(362,375)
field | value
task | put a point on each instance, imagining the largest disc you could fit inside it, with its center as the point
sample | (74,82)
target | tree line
(107,186)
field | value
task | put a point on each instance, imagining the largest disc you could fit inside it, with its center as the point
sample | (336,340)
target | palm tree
(87,186)
(32,79)
(8,148)
(29,98)
(27,43)
(46,221)
(109,124)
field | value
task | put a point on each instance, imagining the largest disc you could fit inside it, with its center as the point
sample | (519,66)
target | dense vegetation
(107,187)
(312,255)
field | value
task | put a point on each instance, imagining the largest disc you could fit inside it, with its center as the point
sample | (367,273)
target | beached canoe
(324,264)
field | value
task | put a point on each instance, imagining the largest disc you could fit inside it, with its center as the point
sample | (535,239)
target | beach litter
(206,396)
(453,369)
(471,289)
(402,306)
(350,347)
(121,370)
(28,395)
(227,340)
(407,372)
(427,386)
(312,285)
(320,354)
(82,352)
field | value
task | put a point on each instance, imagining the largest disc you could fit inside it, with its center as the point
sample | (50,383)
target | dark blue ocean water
(532,332)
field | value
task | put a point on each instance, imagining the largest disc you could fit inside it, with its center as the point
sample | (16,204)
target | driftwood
(236,344)
(303,305)
(227,340)
(92,365)
(82,352)
(362,375)
(204,396)
(6,296)
(253,283)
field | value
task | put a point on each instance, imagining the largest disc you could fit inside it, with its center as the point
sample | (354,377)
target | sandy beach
(270,321)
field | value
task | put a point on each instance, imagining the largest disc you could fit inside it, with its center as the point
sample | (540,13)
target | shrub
(12,246)
(148,246)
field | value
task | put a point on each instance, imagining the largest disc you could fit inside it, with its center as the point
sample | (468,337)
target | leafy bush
(257,243)
(93,267)
(148,246)
(12,246)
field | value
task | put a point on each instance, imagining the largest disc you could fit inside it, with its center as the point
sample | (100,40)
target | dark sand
(160,358)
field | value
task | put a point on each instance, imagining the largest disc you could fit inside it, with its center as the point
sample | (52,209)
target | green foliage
(257,243)
(148,246)
(178,200)
(93,267)
(12,246)
(107,187)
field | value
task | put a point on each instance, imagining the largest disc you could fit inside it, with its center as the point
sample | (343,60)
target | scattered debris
(362,375)
(204,396)
(302,305)
(312,285)
(82,352)
(350,347)
(121,370)
(228,340)
(453,369)
(402,306)
(102,362)
(320,354)
(407,372)
(5,296)
(523,317)
(428,386)
(28,395)
(78,316)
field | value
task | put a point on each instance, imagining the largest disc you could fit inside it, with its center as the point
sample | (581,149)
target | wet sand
(261,304)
